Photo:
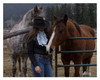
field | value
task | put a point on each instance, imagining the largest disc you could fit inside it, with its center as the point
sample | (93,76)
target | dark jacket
(34,48)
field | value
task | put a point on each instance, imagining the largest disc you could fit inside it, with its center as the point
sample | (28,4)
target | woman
(36,41)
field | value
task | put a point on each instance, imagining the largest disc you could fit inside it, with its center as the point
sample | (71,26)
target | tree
(49,12)
(84,14)
(81,13)
(57,10)
(92,13)
(77,13)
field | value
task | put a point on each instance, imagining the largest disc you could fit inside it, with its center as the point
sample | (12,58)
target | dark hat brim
(45,25)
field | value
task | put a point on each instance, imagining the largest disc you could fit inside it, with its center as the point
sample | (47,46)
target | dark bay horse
(15,44)
(65,28)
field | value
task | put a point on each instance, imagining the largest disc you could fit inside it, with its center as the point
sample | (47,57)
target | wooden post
(56,61)
(17,33)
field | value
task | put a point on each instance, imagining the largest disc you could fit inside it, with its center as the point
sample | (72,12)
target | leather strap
(43,56)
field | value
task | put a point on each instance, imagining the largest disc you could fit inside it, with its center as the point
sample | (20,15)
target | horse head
(31,14)
(58,32)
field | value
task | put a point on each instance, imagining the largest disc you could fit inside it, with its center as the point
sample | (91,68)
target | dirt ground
(7,65)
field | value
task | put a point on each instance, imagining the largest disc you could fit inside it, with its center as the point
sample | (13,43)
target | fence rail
(76,65)
(82,38)
(78,51)
(12,34)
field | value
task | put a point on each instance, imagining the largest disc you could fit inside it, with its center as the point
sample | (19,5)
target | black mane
(77,27)
(76,24)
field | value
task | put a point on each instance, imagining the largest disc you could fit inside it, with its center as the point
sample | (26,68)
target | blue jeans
(45,66)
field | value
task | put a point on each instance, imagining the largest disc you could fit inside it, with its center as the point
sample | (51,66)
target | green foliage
(81,13)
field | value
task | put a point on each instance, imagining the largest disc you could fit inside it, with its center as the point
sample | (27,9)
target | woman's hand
(38,70)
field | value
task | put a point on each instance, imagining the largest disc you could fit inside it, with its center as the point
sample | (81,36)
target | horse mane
(76,25)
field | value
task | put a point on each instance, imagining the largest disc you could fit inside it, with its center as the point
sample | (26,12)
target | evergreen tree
(92,15)
(69,11)
(77,13)
(63,10)
(57,10)
(49,12)
(81,13)
(84,14)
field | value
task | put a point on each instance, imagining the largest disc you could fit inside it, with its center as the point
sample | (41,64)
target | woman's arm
(30,47)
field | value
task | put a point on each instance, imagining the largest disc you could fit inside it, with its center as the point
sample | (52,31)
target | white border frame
(49,1)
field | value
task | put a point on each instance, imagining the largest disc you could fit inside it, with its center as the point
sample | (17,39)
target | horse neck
(19,26)
(24,23)
(71,30)
(26,19)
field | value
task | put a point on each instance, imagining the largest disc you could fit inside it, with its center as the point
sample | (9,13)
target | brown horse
(62,30)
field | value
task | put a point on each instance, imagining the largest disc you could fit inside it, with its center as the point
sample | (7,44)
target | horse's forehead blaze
(54,28)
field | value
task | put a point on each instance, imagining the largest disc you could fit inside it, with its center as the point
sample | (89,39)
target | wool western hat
(39,22)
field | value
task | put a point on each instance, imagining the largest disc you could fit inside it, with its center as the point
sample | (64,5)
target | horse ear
(55,17)
(41,7)
(65,18)
(36,9)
